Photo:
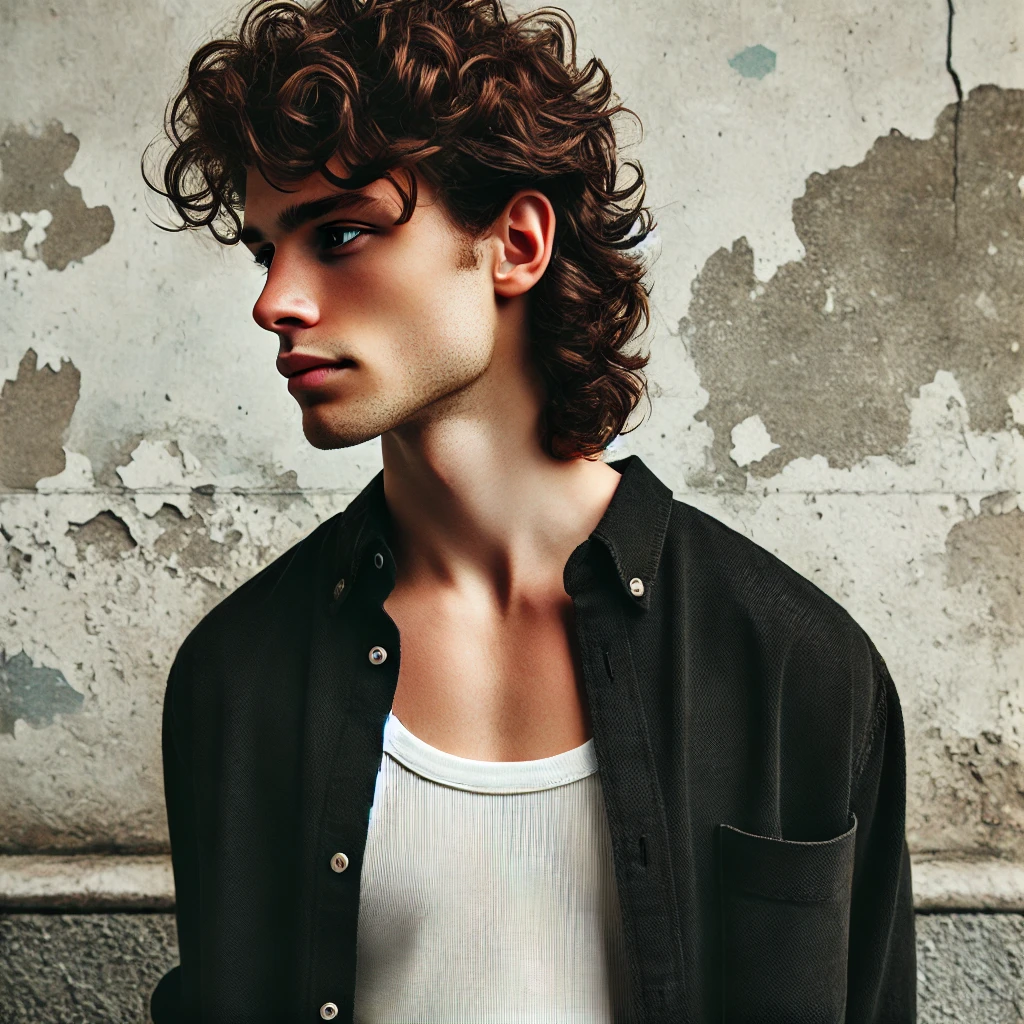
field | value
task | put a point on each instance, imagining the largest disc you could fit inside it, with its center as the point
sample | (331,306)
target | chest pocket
(785,917)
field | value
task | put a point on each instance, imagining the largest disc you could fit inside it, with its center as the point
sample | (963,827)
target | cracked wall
(835,371)
(892,289)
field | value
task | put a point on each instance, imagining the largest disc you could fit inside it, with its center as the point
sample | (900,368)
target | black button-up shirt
(749,741)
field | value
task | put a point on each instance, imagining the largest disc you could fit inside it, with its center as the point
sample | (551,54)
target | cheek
(426,311)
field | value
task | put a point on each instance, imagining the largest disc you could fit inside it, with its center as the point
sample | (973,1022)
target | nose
(287,300)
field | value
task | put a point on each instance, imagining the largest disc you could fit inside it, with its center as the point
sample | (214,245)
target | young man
(515,736)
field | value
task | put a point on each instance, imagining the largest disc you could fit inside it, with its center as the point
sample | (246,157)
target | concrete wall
(836,371)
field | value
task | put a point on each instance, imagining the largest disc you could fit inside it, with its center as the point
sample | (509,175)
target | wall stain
(754,61)
(106,531)
(33,693)
(989,549)
(33,181)
(35,412)
(891,290)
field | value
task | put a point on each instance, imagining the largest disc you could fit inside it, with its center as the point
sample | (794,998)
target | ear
(525,232)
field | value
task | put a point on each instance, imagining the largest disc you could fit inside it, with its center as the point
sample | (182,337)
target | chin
(327,436)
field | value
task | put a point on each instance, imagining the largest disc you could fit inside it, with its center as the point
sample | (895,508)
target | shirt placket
(635,810)
(371,642)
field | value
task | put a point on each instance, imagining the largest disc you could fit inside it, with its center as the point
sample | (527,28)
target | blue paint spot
(34,693)
(754,61)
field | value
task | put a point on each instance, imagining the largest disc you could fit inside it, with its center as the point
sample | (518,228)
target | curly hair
(482,107)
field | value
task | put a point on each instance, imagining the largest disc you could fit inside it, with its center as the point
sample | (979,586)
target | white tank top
(487,891)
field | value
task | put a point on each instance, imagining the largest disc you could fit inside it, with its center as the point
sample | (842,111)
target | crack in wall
(956,116)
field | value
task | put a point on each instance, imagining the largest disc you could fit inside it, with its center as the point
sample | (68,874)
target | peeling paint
(106,532)
(160,466)
(33,693)
(188,544)
(35,412)
(751,441)
(988,550)
(43,215)
(910,293)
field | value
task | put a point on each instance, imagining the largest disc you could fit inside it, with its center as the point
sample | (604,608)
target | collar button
(636,586)
(338,588)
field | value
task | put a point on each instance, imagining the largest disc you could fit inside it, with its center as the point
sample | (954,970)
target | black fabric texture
(749,740)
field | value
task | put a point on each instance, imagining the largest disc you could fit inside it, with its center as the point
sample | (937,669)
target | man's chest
(489,685)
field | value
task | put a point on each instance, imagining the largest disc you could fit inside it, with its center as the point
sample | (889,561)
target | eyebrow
(292,217)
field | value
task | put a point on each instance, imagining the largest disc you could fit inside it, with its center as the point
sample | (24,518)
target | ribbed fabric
(487,891)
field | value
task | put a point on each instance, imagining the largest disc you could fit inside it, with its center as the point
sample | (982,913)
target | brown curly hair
(482,107)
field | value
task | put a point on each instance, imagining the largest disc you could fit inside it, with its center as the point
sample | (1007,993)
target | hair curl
(482,107)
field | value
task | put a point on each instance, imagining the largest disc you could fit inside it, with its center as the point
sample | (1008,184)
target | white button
(339,862)
(378,655)
(338,588)
(636,586)
(378,560)
(329,1011)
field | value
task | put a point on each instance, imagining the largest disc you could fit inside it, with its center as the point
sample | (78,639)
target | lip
(316,376)
(291,363)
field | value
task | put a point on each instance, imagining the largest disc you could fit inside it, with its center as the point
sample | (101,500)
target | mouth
(318,376)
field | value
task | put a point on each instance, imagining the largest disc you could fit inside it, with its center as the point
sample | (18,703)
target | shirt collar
(634,526)
(633,529)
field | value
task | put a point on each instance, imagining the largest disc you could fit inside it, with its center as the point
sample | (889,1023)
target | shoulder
(273,608)
(816,649)
(732,569)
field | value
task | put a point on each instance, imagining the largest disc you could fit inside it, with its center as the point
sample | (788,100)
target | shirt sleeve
(882,963)
(175,998)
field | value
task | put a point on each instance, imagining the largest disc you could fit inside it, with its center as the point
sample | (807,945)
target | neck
(477,503)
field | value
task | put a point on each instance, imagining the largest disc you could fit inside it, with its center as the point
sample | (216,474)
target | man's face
(398,317)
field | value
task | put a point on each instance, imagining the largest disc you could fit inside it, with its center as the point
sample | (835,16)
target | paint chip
(754,62)
(33,693)
(751,441)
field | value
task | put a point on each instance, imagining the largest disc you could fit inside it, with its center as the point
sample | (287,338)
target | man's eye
(336,237)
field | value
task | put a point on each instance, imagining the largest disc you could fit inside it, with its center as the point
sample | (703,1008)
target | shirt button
(378,655)
(329,1011)
(636,586)
(339,862)
(338,588)
(378,560)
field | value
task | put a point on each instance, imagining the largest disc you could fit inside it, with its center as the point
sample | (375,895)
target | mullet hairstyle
(482,107)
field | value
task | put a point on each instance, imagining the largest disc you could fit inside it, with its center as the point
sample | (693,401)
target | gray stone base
(82,968)
(970,968)
(101,968)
